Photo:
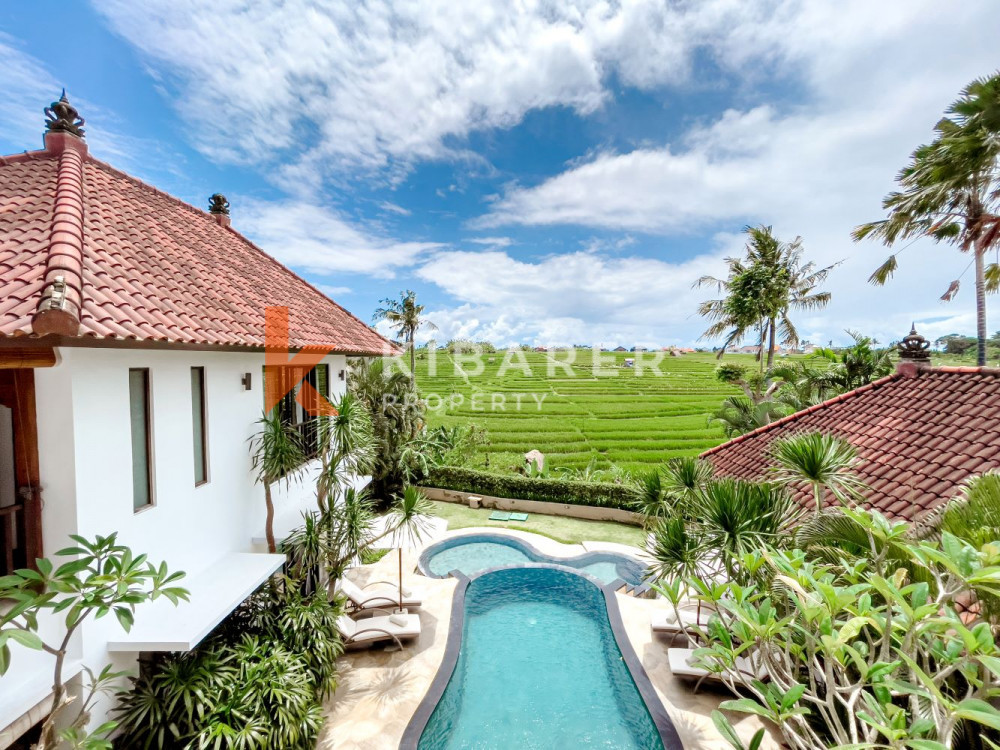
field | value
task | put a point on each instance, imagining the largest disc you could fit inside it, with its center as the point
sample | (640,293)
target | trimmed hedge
(516,487)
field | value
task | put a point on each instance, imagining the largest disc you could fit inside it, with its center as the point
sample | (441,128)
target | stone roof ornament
(218,205)
(62,117)
(914,347)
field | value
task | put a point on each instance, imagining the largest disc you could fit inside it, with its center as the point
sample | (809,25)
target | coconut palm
(761,291)
(793,284)
(950,192)
(740,309)
(820,461)
(277,456)
(404,316)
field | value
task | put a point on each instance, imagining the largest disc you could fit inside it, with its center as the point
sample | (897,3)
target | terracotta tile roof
(137,264)
(919,436)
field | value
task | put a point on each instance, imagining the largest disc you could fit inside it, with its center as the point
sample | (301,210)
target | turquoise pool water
(473,553)
(539,668)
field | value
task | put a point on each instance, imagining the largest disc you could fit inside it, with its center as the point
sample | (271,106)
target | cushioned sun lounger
(377,594)
(680,661)
(665,620)
(518,516)
(499,515)
(369,630)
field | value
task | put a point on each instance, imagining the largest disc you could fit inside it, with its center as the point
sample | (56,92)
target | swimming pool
(472,553)
(533,661)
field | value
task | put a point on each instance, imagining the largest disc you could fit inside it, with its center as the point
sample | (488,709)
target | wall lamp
(245,380)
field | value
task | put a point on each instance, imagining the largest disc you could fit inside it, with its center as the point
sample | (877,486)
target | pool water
(473,553)
(539,668)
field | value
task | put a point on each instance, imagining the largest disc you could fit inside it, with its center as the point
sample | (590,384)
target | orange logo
(284,371)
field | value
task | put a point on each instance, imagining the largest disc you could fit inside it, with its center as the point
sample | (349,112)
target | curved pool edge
(657,711)
(486,531)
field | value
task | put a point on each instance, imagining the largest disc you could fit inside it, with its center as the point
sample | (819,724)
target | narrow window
(323,380)
(142,458)
(198,420)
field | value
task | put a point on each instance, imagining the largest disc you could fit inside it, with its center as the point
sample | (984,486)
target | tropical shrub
(860,652)
(257,682)
(104,577)
(599,494)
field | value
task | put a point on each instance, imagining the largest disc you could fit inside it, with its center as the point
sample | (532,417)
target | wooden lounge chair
(681,665)
(376,595)
(384,627)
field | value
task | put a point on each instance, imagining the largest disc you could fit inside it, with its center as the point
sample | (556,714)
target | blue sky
(537,172)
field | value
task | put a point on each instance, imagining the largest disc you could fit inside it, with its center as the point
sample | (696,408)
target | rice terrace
(630,417)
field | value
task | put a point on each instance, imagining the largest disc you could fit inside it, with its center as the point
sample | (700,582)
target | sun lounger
(681,665)
(665,620)
(377,594)
(369,630)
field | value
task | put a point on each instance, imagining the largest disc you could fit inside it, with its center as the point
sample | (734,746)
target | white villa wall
(85,465)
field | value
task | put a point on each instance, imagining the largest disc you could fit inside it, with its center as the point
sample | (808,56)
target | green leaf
(978,711)
(24,637)
(925,745)
(747,706)
(726,729)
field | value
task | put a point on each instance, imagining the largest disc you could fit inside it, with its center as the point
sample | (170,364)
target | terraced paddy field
(573,413)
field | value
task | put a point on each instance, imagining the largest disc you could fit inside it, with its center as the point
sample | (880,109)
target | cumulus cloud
(320,240)
(382,84)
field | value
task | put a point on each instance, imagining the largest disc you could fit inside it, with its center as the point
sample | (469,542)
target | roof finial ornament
(217,204)
(914,347)
(62,117)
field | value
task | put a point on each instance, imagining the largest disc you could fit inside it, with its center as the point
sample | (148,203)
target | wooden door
(20,511)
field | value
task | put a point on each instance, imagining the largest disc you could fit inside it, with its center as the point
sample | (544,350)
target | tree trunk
(269,520)
(770,345)
(413,372)
(400,576)
(980,305)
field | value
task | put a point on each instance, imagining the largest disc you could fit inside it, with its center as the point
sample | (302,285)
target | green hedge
(514,486)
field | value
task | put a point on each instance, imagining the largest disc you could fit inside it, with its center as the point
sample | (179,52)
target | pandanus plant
(277,456)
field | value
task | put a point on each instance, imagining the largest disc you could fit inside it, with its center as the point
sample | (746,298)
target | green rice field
(634,418)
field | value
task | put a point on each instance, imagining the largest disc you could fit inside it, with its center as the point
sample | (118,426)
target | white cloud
(492,241)
(321,241)
(337,84)
(28,87)
(334,291)
(393,208)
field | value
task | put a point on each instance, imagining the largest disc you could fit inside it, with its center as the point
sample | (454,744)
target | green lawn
(632,417)
(567,530)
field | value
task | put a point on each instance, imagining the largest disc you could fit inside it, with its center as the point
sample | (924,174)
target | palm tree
(404,316)
(761,291)
(793,284)
(856,365)
(739,310)
(276,456)
(823,462)
(950,192)
(739,415)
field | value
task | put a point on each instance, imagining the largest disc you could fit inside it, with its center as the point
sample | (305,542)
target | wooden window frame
(203,408)
(292,413)
(150,457)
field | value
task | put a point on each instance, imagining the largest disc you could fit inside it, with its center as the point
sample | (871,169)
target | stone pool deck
(379,690)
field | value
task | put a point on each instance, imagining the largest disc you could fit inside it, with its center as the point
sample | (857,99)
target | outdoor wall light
(245,380)
(342,374)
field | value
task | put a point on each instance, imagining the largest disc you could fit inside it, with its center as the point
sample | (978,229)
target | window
(290,380)
(198,419)
(142,443)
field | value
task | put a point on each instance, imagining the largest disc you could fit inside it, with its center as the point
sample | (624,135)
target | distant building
(620,349)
